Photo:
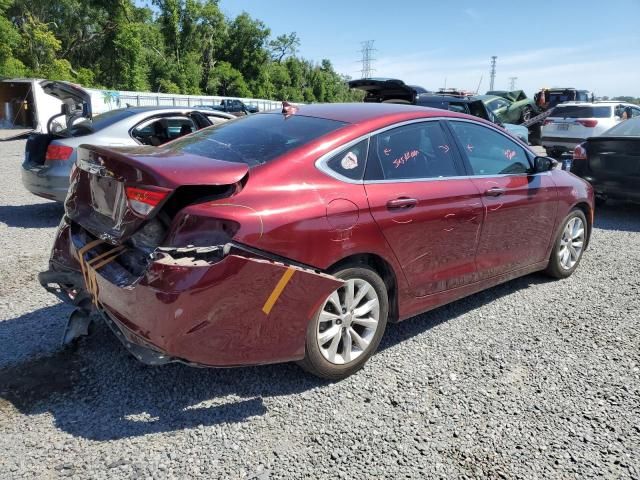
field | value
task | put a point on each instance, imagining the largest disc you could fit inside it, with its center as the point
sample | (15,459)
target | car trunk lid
(113,193)
(76,100)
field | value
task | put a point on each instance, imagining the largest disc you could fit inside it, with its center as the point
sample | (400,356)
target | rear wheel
(569,245)
(348,328)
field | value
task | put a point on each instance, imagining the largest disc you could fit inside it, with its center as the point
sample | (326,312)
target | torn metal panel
(237,311)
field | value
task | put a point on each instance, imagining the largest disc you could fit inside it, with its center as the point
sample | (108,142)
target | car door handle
(402,202)
(494,192)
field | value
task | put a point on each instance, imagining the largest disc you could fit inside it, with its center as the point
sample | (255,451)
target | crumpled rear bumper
(238,310)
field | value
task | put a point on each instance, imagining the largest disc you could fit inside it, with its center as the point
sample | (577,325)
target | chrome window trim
(321,162)
(461,177)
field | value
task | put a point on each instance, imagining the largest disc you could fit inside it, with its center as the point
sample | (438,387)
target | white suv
(571,123)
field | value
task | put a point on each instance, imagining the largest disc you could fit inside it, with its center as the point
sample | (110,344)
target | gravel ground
(531,379)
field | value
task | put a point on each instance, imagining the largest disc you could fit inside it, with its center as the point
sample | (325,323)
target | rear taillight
(58,152)
(547,122)
(143,200)
(590,123)
(580,153)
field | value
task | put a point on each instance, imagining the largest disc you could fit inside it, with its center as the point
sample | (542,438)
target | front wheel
(569,245)
(348,328)
(526,114)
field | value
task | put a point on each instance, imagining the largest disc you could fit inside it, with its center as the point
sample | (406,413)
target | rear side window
(350,162)
(490,152)
(157,131)
(582,111)
(255,139)
(416,151)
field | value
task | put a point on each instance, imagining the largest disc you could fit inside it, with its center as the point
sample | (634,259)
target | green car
(509,107)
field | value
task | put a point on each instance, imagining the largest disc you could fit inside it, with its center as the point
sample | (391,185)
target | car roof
(444,98)
(161,108)
(588,104)
(362,112)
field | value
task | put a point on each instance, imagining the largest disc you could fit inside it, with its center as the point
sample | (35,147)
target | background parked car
(235,107)
(510,107)
(383,90)
(548,98)
(611,162)
(50,156)
(571,123)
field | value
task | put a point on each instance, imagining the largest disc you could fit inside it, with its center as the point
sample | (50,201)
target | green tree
(284,45)
(228,81)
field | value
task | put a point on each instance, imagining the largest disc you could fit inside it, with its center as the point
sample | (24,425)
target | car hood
(513,96)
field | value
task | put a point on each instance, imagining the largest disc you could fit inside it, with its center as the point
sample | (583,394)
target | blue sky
(586,44)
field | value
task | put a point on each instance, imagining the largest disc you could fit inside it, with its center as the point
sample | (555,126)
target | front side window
(490,152)
(497,104)
(416,151)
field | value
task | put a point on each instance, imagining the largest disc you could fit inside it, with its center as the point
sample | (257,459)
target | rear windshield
(582,111)
(255,139)
(629,128)
(98,122)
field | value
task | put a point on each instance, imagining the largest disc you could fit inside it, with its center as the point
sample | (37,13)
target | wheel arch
(588,213)
(382,267)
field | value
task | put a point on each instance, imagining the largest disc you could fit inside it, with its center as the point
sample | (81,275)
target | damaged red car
(297,236)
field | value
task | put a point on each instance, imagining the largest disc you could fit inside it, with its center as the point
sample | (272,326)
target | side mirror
(544,164)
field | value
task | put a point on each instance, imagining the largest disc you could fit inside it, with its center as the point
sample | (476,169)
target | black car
(611,162)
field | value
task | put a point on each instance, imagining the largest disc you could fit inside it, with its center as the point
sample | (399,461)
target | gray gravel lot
(531,379)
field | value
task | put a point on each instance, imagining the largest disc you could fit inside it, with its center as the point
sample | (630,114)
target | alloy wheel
(571,243)
(348,321)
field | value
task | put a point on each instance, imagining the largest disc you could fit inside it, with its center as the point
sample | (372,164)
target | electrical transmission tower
(367,58)
(493,71)
(512,83)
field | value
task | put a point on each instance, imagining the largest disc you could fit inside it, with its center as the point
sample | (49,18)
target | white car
(572,123)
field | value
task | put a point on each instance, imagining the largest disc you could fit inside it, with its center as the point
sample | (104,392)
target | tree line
(177,46)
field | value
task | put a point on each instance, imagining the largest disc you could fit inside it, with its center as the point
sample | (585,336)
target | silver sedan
(50,156)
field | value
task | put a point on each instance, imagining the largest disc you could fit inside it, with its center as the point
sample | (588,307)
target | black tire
(526,114)
(555,268)
(314,361)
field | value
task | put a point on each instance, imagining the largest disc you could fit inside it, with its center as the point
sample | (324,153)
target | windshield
(103,120)
(582,111)
(628,128)
(255,139)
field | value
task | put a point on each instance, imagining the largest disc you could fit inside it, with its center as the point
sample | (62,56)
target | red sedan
(297,236)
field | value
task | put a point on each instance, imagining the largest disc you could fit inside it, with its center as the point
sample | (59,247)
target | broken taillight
(58,152)
(589,123)
(143,200)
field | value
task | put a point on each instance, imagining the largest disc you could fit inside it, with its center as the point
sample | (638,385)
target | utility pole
(512,83)
(367,58)
(493,72)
